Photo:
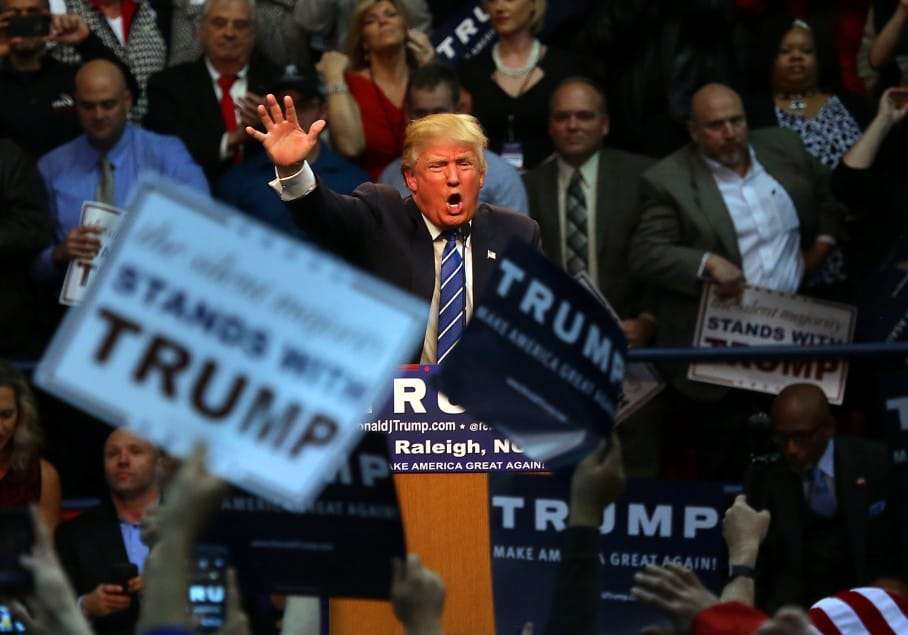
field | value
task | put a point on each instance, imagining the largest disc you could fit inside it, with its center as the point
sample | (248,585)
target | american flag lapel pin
(490,254)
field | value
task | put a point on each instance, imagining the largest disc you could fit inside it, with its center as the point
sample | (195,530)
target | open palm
(286,144)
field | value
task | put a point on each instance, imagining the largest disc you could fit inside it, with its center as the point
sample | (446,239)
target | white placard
(81,273)
(764,317)
(641,381)
(207,326)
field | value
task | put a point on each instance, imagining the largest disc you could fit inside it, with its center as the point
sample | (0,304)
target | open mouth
(455,203)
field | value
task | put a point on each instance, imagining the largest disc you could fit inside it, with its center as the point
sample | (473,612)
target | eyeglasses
(798,437)
(222,23)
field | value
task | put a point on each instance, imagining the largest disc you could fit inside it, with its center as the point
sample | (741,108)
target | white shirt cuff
(701,270)
(294,186)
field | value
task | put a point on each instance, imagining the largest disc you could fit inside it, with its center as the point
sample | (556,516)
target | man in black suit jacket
(398,239)
(97,543)
(831,526)
(187,100)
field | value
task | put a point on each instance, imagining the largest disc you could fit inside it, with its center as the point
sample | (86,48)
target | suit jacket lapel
(608,189)
(480,233)
(549,223)
(711,203)
(208,101)
(783,174)
(423,254)
(851,494)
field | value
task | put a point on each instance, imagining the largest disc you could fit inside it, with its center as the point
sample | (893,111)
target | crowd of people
(655,145)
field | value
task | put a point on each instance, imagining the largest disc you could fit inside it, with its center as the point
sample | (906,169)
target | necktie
(105,192)
(577,241)
(819,494)
(228,109)
(452,299)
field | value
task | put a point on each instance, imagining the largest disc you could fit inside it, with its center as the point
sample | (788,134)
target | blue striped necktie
(452,306)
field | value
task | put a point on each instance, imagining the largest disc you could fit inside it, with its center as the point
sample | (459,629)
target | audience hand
(249,109)
(4,39)
(744,528)
(421,47)
(816,255)
(598,480)
(638,331)
(68,28)
(285,142)
(105,599)
(192,498)
(237,622)
(332,66)
(788,620)
(54,602)
(675,591)
(889,112)
(417,596)
(80,244)
(726,275)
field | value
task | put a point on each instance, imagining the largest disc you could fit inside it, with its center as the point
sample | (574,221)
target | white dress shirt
(237,92)
(766,224)
(589,173)
(303,182)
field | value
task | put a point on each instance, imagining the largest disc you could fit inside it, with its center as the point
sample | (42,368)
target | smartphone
(30,25)
(121,573)
(16,539)
(8,623)
(208,587)
(898,97)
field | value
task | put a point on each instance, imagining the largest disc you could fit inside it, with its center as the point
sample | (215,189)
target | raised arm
(884,44)
(285,142)
(863,153)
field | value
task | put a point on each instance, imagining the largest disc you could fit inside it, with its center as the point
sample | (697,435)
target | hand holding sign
(418,596)
(675,591)
(598,480)
(728,277)
(744,528)
(285,142)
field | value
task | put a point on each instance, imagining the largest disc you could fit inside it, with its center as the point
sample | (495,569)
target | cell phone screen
(208,587)
(8,624)
(28,26)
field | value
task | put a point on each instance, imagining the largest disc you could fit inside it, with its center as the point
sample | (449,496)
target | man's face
(429,101)
(445,183)
(719,127)
(576,122)
(130,464)
(227,32)
(802,440)
(25,45)
(103,103)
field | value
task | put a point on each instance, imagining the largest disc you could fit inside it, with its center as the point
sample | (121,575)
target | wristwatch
(740,570)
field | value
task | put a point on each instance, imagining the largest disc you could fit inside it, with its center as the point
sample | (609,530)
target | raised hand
(286,144)
(68,28)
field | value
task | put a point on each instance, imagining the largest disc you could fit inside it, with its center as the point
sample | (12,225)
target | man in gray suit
(732,207)
(584,198)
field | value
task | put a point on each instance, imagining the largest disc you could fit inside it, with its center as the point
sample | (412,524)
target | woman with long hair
(25,478)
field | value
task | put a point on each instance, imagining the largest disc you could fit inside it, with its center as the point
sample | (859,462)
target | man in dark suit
(439,244)
(732,207)
(584,198)
(831,526)
(95,547)
(207,103)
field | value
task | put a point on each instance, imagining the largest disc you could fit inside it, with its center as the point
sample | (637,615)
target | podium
(446,522)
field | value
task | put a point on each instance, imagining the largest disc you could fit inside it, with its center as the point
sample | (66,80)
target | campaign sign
(427,433)
(541,360)
(320,551)
(764,317)
(894,397)
(654,522)
(80,273)
(207,326)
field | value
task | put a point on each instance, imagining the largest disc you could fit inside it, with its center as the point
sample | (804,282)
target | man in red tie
(207,103)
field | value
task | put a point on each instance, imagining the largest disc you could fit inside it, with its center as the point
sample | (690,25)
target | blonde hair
(353,45)
(27,438)
(450,127)
(538,15)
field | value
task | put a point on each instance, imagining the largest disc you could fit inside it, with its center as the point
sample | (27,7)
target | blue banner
(541,361)
(655,522)
(322,551)
(427,433)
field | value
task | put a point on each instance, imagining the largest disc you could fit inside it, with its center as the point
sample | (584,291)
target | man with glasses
(208,103)
(831,525)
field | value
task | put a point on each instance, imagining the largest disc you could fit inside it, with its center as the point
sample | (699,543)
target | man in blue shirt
(246,186)
(434,88)
(102,165)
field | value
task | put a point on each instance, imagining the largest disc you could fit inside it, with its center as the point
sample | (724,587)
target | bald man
(102,164)
(831,525)
(732,207)
(95,545)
